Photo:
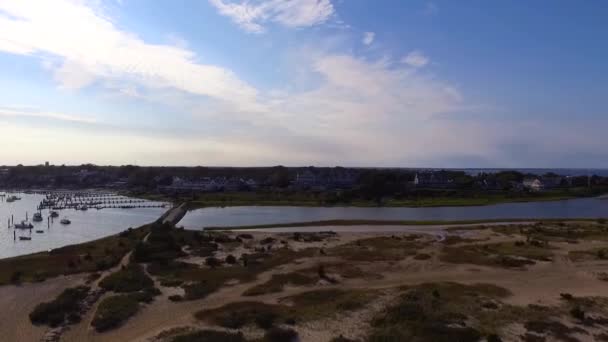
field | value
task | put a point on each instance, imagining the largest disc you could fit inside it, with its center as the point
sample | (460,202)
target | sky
(394,83)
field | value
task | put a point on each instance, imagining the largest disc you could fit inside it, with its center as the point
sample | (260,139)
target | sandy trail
(18,301)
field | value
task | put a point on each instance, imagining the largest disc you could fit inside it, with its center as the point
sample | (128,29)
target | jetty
(174,215)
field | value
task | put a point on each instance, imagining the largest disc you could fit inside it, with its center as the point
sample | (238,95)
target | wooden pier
(93,200)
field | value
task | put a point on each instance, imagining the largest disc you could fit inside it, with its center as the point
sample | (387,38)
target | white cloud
(352,110)
(89,46)
(415,59)
(253,15)
(368,38)
(34,113)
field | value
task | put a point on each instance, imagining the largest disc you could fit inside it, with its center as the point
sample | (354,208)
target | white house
(533,184)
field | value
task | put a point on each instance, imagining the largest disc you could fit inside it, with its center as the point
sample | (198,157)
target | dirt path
(18,301)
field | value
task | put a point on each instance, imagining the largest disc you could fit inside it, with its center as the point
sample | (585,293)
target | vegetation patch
(313,305)
(280,335)
(278,281)
(91,256)
(65,307)
(381,248)
(448,312)
(237,315)
(553,328)
(422,256)
(200,281)
(507,254)
(592,254)
(209,336)
(114,311)
(307,306)
(129,279)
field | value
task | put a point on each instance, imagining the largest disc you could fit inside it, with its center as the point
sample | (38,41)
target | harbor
(36,221)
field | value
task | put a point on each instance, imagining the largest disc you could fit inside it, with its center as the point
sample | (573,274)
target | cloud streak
(97,49)
(368,38)
(252,16)
(416,59)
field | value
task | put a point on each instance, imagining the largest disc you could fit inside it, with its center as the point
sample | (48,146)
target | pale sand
(541,283)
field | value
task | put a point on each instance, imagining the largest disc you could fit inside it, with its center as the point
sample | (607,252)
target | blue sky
(305,82)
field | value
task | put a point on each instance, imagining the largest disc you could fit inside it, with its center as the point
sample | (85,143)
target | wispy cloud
(252,16)
(35,113)
(368,38)
(86,46)
(416,59)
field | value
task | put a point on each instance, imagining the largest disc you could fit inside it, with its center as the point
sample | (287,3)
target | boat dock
(93,200)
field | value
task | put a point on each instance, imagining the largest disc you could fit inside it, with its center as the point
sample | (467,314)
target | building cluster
(306,180)
(174,180)
(209,184)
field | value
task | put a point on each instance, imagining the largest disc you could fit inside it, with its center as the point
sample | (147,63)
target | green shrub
(113,311)
(176,298)
(265,319)
(230,259)
(280,335)
(210,336)
(55,312)
(422,256)
(200,289)
(213,262)
(145,296)
(130,279)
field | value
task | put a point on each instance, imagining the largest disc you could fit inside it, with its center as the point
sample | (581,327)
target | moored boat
(65,221)
(25,238)
(54,214)
(37,217)
(24,225)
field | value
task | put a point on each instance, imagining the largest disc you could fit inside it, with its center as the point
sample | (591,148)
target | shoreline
(398,223)
(238,199)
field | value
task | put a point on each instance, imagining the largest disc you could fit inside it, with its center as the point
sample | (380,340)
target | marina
(30,223)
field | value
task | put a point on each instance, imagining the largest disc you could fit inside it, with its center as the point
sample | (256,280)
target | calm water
(86,225)
(237,216)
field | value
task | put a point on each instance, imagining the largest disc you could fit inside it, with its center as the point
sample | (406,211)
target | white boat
(24,225)
(65,221)
(37,217)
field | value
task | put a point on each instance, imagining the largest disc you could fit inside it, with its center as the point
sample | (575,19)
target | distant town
(329,185)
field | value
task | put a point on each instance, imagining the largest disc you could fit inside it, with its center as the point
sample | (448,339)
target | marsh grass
(91,256)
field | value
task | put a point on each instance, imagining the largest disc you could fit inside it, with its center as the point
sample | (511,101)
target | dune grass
(129,279)
(306,306)
(506,254)
(114,311)
(451,312)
